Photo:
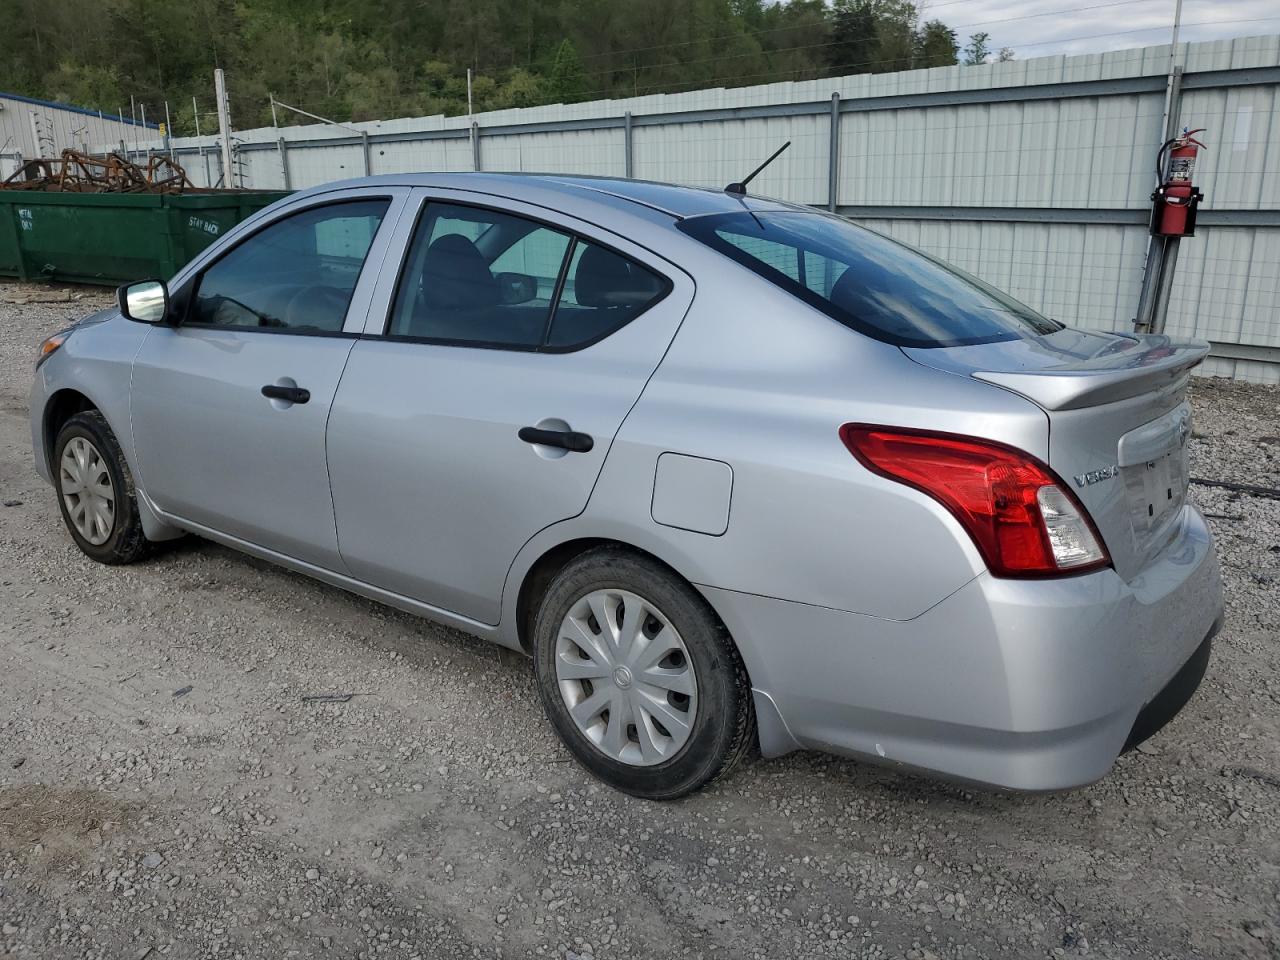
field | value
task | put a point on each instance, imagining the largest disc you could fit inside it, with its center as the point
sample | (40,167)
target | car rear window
(867,281)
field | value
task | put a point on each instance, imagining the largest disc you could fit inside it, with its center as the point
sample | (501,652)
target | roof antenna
(741,188)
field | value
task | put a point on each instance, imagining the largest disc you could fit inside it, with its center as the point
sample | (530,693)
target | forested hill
(368,59)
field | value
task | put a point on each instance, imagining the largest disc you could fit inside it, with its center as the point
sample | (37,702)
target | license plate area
(1157,491)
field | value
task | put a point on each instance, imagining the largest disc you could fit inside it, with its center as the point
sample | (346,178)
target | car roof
(676,201)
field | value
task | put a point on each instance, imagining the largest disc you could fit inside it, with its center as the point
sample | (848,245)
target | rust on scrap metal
(77,172)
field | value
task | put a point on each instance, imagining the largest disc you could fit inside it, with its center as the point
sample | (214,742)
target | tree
(567,82)
(936,45)
(978,50)
(895,34)
(1005,55)
(348,59)
(854,44)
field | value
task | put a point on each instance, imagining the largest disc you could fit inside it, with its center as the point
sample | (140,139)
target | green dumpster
(112,238)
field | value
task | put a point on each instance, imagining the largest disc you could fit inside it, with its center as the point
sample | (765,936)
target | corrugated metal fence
(41,128)
(1034,175)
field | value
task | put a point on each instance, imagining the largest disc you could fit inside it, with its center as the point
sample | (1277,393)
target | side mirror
(146,301)
(516,287)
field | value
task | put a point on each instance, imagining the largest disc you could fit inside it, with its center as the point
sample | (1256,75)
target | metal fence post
(1169,263)
(364,151)
(833,156)
(627,146)
(475,146)
(284,162)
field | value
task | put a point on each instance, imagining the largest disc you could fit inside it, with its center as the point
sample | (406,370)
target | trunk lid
(1118,423)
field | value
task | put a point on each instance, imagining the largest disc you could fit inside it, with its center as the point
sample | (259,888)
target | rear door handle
(292,394)
(569,440)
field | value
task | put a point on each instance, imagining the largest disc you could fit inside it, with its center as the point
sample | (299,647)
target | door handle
(292,394)
(569,440)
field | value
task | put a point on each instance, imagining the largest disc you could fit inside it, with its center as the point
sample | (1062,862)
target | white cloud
(1038,28)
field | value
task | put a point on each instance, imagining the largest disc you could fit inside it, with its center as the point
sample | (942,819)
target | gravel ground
(165,791)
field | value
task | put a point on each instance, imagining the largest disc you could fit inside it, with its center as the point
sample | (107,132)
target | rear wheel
(639,678)
(95,491)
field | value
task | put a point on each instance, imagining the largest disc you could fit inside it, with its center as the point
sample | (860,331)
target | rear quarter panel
(763,383)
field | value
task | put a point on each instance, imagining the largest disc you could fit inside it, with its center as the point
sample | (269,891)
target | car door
(229,406)
(481,410)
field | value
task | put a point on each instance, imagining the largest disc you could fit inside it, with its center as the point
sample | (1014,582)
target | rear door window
(868,281)
(480,277)
(603,291)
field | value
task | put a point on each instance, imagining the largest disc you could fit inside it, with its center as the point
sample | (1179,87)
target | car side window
(298,274)
(477,277)
(602,292)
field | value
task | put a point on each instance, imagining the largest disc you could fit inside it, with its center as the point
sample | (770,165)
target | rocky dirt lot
(166,789)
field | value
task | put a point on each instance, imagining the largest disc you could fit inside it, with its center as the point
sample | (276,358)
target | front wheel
(638,677)
(95,491)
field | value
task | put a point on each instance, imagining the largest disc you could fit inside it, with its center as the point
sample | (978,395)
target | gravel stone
(505,849)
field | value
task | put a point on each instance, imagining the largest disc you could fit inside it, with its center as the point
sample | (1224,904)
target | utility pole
(471,124)
(1162,252)
(1173,58)
(224,127)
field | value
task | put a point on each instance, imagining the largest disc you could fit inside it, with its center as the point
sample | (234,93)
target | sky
(1038,28)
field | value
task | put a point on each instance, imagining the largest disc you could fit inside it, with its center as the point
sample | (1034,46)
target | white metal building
(32,128)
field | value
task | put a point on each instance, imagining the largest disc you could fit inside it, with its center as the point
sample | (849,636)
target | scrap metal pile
(76,172)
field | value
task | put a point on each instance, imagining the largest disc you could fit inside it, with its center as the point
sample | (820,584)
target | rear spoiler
(1158,362)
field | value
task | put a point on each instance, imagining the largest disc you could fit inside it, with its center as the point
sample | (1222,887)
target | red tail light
(1024,522)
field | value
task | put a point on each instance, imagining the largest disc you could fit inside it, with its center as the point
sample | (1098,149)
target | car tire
(96,492)
(689,717)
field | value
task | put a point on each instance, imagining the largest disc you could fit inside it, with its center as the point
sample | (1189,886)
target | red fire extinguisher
(1173,210)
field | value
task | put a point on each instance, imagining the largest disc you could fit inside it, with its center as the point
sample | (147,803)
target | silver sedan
(734,472)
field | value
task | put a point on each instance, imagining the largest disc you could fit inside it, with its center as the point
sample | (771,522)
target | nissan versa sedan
(735,473)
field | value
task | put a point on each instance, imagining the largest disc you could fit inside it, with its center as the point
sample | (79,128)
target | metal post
(195,112)
(1150,284)
(284,162)
(35,132)
(1161,308)
(628,145)
(168,130)
(833,156)
(1149,320)
(475,132)
(364,151)
(224,126)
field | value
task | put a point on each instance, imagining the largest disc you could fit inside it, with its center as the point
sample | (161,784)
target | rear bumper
(1032,685)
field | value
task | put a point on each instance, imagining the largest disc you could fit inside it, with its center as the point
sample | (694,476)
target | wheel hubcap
(626,677)
(87,491)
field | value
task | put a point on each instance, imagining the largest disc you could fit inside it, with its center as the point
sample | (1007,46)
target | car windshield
(868,281)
